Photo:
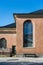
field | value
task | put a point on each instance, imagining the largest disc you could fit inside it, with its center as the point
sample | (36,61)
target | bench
(5,52)
(30,55)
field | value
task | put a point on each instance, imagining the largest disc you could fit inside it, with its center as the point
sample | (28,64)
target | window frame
(33,33)
(4,45)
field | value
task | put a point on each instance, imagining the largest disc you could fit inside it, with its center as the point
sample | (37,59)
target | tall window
(27,34)
(3,43)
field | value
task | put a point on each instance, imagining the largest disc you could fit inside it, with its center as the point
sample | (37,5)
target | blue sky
(8,7)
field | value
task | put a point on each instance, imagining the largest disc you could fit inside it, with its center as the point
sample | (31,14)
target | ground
(21,61)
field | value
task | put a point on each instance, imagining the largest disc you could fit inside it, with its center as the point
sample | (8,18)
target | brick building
(26,33)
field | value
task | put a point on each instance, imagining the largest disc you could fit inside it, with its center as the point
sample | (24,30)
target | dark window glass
(3,43)
(27,34)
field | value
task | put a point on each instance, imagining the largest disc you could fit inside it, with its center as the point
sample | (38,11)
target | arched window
(27,34)
(3,43)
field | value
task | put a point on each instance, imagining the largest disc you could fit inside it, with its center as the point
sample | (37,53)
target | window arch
(3,43)
(27,34)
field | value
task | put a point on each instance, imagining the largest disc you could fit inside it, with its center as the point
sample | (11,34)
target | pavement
(21,59)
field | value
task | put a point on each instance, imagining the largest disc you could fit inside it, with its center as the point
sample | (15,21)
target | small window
(3,43)
(27,34)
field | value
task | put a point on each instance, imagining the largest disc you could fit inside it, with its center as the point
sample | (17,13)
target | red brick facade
(37,35)
(15,36)
(9,35)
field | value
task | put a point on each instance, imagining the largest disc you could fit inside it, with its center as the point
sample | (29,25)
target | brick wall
(10,37)
(37,36)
